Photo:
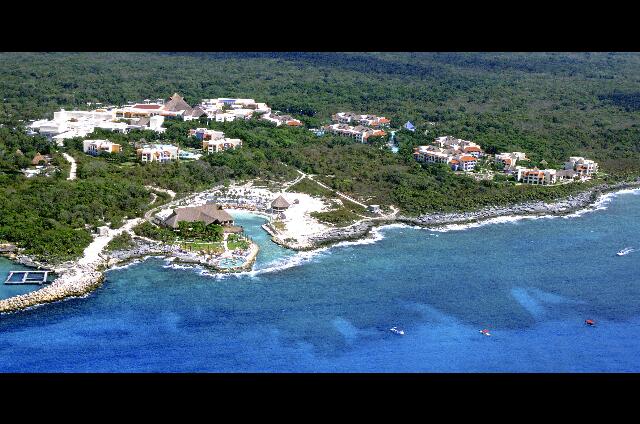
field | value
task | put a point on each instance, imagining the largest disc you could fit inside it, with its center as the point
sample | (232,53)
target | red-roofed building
(147,106)
(474,151)
(467,163)
(536,176)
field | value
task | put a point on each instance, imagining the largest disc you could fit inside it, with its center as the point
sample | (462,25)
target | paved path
(74,166)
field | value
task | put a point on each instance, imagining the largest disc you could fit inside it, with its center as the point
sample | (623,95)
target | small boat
(485,332)
(396,330)
(625,251)
(590,322)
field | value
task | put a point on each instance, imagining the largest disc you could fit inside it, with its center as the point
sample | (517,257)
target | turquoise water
(8,290)
(531,282)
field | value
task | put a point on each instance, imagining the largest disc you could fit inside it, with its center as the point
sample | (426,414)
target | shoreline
(583,201)
(78,278)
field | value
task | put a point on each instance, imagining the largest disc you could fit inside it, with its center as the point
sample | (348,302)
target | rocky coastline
(565,206)
(76,279)
(72,283)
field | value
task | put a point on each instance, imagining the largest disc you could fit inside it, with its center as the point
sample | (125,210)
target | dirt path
(344,196)
(74,166)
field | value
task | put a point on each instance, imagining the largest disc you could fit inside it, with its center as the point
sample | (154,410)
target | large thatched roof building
(176,103)
(209,214)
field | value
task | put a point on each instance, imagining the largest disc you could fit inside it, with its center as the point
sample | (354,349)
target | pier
(27,277)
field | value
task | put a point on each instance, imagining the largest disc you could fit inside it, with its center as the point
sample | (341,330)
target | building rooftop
(280,202)
(209,214)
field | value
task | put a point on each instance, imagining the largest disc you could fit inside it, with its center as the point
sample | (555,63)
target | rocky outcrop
(76,282)
(352,232)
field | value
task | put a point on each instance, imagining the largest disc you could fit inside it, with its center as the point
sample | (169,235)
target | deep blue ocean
(531,282)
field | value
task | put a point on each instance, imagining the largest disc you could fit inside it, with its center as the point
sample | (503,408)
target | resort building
(458,144)
(80,123)
(175,106)
(509,160)
(585,168)
(229,109)
(359,133)
(409,126)
(464,163)
(431,154)
(206,134)
(221,144)
(282,120)
(365,120)
(95,147)
(195,113)
(474,151)
(158,153)
(75,123)
(460,155)
(280,204)
(535,176)
(214,141)
(566,174)
(209,214)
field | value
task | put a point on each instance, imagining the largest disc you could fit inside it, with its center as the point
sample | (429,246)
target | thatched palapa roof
(37,158)
(209,214)
(176,103)
(280,203)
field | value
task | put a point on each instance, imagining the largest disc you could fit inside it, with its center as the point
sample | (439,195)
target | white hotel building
(536,176)
(161,153)
(95,147)
(585,168)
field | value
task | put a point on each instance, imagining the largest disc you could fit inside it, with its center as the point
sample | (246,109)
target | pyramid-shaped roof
(176,103)
(280,202)
(37,158)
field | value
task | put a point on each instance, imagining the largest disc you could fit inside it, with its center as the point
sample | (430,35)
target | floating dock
(27,277)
